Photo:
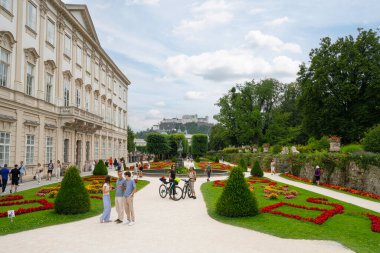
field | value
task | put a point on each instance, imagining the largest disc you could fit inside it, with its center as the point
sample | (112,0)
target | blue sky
(182,55)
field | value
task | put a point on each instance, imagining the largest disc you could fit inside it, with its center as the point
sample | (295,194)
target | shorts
(15,181)
(50,172)
(317,178)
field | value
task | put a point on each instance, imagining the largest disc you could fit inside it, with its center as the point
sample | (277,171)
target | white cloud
(255,11)
(142,2)
(257,38)
(160,104)
(194,95)
(279,21)
(208,14)
(153,114)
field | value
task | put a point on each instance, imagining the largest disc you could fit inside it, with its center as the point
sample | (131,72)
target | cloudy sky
(182,55)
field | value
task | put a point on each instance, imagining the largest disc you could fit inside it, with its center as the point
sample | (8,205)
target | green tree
(199,144)
(157,144)
(100,168)
(131,140)
(236,199)
(371,140)
(340,88)
(218,137)
(173,141)
(72,197)
(256,170)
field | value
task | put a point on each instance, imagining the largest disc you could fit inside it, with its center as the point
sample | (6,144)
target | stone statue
(285,150)
(294,150)
(179,149)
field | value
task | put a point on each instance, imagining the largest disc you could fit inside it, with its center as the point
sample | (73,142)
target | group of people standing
(15,175)
(172,179)
(125,191)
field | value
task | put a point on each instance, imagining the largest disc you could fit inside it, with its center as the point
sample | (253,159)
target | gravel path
(161,225)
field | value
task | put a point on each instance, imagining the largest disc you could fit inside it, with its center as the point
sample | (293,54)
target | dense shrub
(243,164)
(72,197)
(100,169)
(230,150)
(318,145)
(256,171)
(197,159)
(351,148)
(216,159)
(371,140)
(276,149)
(236,199)
(173,159)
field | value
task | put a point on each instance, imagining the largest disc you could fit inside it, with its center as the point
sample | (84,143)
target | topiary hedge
(100,169)
(236,199)
(371,140)
(243,164)
(72,197)
(256,171)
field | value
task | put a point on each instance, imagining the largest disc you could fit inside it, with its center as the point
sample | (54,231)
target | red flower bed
(219,183)
(45,205)
(337,187)
(214,165)
(326,213)
(255,180)
(11,198)
(96,197)
(160,165)
(98,178)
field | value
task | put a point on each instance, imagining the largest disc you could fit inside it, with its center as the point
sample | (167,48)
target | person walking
(119,197)
(4,177)
(39,173)
(50,170)
(136,168)
(58,170)
(110,163)
(106,200)
(15,176)
(273,167)
(22,170)
(317,174)
(172,175)
(208,171)
(141,168)
(130,190)
(192,178)
(115,164)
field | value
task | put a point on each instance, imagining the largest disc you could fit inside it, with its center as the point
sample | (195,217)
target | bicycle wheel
(189,192)
(185,190)
(178,194)
(162,191)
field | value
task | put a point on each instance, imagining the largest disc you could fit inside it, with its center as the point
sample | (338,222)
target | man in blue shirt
(4,176)
(119,197)
(130,190)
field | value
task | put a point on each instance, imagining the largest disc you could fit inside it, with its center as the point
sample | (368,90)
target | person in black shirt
(15,173)
(172,180)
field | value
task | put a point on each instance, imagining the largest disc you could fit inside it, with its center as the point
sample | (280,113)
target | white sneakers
(129,223)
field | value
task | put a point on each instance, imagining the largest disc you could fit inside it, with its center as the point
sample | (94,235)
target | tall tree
(157,144)
(131,140)
(340,89)
(199,144)
(218,137)
(173,141)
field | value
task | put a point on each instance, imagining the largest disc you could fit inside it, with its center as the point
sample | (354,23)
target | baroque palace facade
(62,97)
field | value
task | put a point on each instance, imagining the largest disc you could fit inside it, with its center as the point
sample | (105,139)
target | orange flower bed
(214,165)
(160,165)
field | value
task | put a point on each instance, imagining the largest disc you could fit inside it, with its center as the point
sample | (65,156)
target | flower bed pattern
(11,198)
(214,165)
(160,165)
(45,205)
(336,187)
(326,213)
(271,189)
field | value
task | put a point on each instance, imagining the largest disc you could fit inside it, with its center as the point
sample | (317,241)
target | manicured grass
(350,229)
(50,217)
(332,189)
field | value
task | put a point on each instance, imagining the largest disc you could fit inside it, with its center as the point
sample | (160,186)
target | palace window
(104,155)
(88,100)
(66,92)
(5,145)
(4,66)
(96,150)
(29,79)
(50,34)
(67,48)
(6,4)
(31,14)
(66,144)
(49,149)
(77,97)
(29,149)
(49,87)
(79,56)
(88,63)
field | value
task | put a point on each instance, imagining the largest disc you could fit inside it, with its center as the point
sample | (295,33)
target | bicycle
(164,190)
(186,189)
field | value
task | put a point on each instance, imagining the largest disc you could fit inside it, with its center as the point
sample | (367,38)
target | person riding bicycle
(172,180)
(192,178)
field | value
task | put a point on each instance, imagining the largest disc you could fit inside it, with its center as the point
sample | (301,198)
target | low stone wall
(365,179)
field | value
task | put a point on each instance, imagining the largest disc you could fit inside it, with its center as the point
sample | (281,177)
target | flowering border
(336,187)
(45,205)
(11,198)
(327,213)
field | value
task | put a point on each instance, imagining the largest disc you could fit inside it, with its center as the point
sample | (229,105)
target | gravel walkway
(161,225)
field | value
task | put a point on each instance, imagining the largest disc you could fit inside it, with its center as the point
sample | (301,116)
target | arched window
(49,80)
(31,57)
(6,45)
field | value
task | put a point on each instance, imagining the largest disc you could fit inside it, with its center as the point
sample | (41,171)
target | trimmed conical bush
(100,169)
(256,171)
(243,165)
(236,199)
(73,197)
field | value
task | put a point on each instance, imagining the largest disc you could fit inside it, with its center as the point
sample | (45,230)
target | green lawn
(332,189)
(351,230)
(49,217)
